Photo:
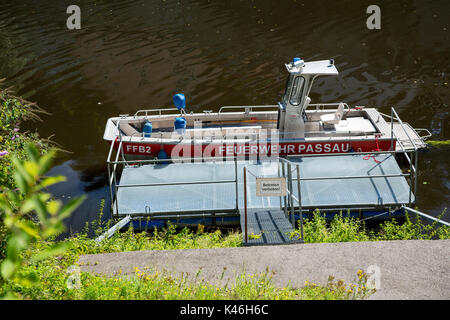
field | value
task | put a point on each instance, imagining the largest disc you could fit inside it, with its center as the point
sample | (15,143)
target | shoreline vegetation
(33,265)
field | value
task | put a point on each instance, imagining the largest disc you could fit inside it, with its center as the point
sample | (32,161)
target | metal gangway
(271,226)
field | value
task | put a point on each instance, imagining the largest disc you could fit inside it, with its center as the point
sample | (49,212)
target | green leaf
(53,207)
(16,244)
(50,181)
(45,162)
(20,169)
(44,196)
(32,169)
(40,208)
(53,230)
(4,205)
(8,269)
(32,152)
(27,205)
(28,227)
(21,182)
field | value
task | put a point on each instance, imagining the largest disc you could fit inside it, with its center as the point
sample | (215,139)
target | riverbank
(413,269)
(195,264)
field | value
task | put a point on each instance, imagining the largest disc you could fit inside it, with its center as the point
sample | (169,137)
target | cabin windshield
(287,89)
(296,92)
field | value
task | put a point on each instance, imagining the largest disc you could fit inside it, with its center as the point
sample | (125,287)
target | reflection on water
(134,54)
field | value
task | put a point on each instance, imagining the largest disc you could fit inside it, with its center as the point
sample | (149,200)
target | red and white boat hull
(185,150)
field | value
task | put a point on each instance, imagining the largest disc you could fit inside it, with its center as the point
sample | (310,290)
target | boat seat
(333,118)
(127,129)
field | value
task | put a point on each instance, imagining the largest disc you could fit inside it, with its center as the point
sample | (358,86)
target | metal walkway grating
(267,227)
(201,198)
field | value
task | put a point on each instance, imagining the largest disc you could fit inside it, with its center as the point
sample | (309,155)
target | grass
(438,143)
(167,239)
(346,229)
(150,284)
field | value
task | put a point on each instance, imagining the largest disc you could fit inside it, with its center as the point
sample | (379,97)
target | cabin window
(297,89)
(287,87)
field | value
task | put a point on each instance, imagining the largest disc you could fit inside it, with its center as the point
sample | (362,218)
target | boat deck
(404,134)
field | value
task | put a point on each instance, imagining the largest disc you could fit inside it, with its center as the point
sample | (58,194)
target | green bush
(30,215)
(13,140)
(409,230)
(347,229)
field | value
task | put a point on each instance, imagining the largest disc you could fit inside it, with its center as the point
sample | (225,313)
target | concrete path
(413,269)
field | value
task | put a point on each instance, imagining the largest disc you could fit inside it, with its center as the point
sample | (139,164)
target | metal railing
(412,174)
(286,201)
(160,111)
(427,135)
(114,186)
(248,109)
(292,203)
(445,223)
(415,152)
(324,106)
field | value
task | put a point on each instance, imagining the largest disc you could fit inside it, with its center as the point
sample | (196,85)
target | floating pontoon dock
(333,182)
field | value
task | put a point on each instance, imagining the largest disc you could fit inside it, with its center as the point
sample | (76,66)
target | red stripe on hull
(282,149)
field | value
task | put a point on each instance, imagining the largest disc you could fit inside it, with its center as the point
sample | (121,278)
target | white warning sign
(270,187)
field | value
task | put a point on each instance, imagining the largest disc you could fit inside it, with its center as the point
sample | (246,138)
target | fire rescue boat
(293,126)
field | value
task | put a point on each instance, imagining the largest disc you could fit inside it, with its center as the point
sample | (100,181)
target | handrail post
(401,123)
(285,198)
(392,130)
(410,181)
(300,202)
(245,205)
(281,201)
(416,164)
(121,143)
(115,178)
(291,202)
(236,178)
(110,188)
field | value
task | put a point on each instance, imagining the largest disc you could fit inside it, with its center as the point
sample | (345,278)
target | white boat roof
(321,67)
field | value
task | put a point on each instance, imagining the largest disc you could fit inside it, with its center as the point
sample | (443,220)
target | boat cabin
(294,120)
